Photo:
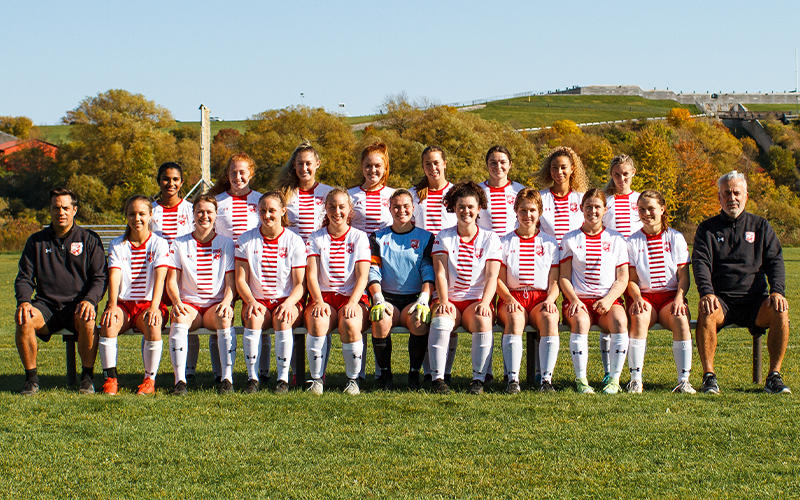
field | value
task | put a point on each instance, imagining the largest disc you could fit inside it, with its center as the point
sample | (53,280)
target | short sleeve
(161,251)
(361,251)
(437,245)
(621,251)
(114,259)
(174,256)
(493,247)
(566,249)
(228,253)
(298,258)
(556,254)
(313,248)
(681,250)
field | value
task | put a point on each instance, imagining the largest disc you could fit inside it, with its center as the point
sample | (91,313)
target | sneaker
(30,388)
(111,386)
(440,387)
(146,387)
(87,386)
(635,387)
(448,378)
(352,388)
(413,381)
(513,388)
(710,385)
(583,387)
(547,386)
(180,389)
(252,386)
(225,387)
(684,387)
(476,387)
(427,379)
(315,387)
(282,387)
(775,384)
(606,379)
(612,387)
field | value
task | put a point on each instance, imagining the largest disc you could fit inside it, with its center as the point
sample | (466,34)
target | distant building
(14,145)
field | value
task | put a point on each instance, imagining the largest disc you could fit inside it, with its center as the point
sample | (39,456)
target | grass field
(774,107)
(58,134)
(740,444)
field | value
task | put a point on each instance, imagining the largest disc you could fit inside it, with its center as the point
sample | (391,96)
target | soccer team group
(430,258)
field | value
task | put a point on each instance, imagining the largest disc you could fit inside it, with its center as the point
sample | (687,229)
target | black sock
(87,373)
(383,353)
(110,372)
(32,375)
(417,346)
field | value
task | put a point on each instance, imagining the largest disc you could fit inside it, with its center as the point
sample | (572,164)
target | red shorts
(202,310)
(135,309)
(528,299)
(661,299)
(337,300)
(589,303)
(461,304)
(271,304)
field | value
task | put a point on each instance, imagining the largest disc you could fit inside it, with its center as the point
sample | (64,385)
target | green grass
(59,134)
(742,443)
(795,107)
(542,111)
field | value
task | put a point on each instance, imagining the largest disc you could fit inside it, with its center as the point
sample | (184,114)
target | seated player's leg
(441,331)
(29,321)
(113,321)
(681,345)
(179,343)
(546,322)
(82,315)
(579,323)
(382,346)
(252,344)
(226,345)
(153,347)
(642,317)
(352,322)
(710,317)
(319,320)
(482,344)
(616,323)
(283,320)
(774,313)
(513,325)
(417,344)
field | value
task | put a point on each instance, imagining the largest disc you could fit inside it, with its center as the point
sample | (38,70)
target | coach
(66,266)
(736,255)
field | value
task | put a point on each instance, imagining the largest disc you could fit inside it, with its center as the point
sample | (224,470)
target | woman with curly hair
(563,171)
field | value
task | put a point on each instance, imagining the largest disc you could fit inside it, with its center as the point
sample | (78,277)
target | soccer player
(528,290)
(401,281)
(270,272)
(563,171)
(200,284)
(593,275)
(659,282)
(623,212)
(498,216)
(466,260)
(137,266)
(305,197)
(429,211)
(337,274)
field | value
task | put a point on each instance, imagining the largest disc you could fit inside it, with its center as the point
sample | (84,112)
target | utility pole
(205,147)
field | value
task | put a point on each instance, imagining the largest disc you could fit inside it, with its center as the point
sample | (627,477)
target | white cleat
(684,387)
(352,388)
(316,387)
(635,387)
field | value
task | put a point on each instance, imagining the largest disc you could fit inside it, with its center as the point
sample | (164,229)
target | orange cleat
(147,387)
(110,386)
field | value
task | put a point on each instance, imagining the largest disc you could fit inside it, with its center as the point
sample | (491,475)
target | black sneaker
(413,381)
(252,386)
(440,387)
(282,387)
(225,387)
(30,388)
(546,386)
(86,387)
(180,389)
(427,379)
(513,388)
(775,384)
(710,385)
(476,387)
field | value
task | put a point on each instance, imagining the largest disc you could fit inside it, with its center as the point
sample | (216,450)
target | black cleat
(282,387)
(427,379)
(252,386)
(476,387)
(385,382)
(710,385)
(440,387)
(225,387)
(413,381)
(513,388)
(775,384)
(546,386)
(87,386)
(448,378)
(180,389)
(30,388)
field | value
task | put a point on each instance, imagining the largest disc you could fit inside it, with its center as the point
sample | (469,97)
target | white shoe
(316,387)
(352,388)
(684,387)
(635,387)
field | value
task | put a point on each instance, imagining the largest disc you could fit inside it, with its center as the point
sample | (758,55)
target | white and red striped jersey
(271,262)
(371,208)
(560,215)
(306,210)
(203,267)
(623,213)
(138,265)
(338,258)
(500,216)
(595,260)
(466,261)
(431,214)
(528,261)
(169,223)
(236,214)
(657,258)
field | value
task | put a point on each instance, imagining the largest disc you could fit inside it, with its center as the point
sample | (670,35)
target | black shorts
(742,312)
(400,301)
(56,319)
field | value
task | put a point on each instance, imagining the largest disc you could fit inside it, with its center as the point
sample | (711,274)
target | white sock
(179,350)
(353,354)
(682,352)
(108,352)
(512,355)
(264,356)
(315,349)
(619,351)
(451,354)
(227,352)
(327,353)
(251,347)
(438,345)
(579,347)
(548,354)
(482,344)
(636,351)
(284,343)
(213,348)
(152,357)
(605,351)
(192,354)
(426,364)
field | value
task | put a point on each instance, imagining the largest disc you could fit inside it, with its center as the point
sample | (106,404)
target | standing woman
(270,270)
(337,274)
(466,259)
(305,197)
(200,284)
(137,266)
(659,282)
(623,212)
(563,171)
(430,213)
(501,192)
(528,290)
(593,276)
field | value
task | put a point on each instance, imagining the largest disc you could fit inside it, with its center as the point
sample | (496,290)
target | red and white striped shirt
(236,214)
(203,267)
(169,223)
(430,214)
(528,261)
(595,260)
(306,210)
(371,208)
(466,261)
(657,258)
(560,215)
(500,216)
(338,258)
(271,262)
(623,213)
(138,265)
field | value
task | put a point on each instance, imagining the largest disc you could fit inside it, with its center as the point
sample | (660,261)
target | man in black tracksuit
(65,264)
(738,268)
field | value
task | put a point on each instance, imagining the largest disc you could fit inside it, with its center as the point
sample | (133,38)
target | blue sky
(241,58)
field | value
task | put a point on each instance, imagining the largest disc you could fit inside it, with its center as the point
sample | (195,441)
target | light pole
(302,98)
(341,106)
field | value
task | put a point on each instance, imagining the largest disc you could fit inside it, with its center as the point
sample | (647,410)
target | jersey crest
(350,247)
(252,208)
(510,199)
(667,246)
(479,253)
(539,250)
(750,236)
(283,252)
(415,244)
(573,207)
(76,248)
(606,246)
(183,219)
(217,254)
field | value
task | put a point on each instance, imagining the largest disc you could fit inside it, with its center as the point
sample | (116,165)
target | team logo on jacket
(183,220)
(415,244)
(573,207)
(539,250)
(606,246)
(76,248)
(750,236)
(351,247)
(282,252)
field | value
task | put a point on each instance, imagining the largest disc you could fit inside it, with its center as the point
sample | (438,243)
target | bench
(299,367)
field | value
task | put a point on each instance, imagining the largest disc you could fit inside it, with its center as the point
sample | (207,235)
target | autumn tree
(566,127)
(695,195)
(656,167)
(678,117)
(224,145)
(782,167)
(18,126)
(28,176)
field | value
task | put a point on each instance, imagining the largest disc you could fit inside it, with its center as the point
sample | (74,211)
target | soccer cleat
(146,387)
(612,387)
(775,384)
(606,379)
(385,382)
(684,387)
(440,387)
(476,387)
(635,387)
(513,387)
(582,386)
(448,378)
(30,388)
(352,388)
(547,386)
(316,387)
(413,381)
(710,385)
(225,387)
(191,380)
(87,386)
(111,386)
(180,389)
(282,387)
(427,379)
(252,386)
